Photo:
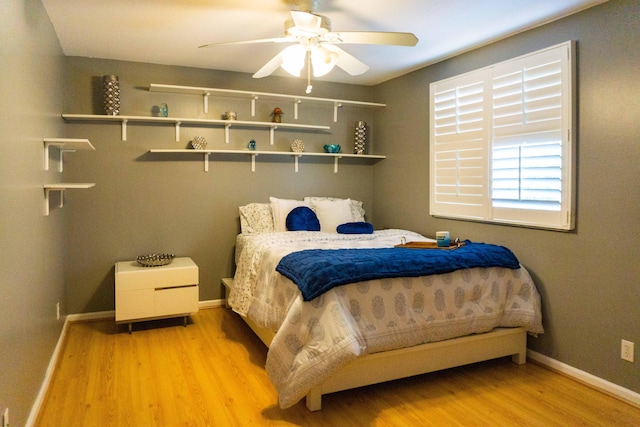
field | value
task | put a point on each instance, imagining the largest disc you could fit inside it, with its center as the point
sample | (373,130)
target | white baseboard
(91,316)
(35,409)
(212,303)
(111,313)
(587,378)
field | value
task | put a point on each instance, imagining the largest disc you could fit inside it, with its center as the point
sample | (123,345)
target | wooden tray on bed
(429,245)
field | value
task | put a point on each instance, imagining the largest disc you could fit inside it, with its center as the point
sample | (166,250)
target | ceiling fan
(314,45)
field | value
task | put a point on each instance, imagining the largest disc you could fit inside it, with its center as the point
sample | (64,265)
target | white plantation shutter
(500,140)
(459,147)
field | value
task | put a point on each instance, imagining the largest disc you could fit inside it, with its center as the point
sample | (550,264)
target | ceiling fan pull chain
(309,87)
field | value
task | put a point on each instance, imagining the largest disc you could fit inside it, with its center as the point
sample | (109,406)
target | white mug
(443,239)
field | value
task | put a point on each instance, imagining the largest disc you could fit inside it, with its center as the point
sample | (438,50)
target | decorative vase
(360,138)
(111,95)
(164,110)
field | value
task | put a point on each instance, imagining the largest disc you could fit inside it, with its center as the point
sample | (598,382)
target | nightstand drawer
(135,304)
(176,300)
(130,275)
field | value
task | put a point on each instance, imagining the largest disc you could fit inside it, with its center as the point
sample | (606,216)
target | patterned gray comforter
(314,339)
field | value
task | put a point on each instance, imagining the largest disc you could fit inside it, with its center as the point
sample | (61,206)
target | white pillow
(356,206)
(332,213)
(280,208)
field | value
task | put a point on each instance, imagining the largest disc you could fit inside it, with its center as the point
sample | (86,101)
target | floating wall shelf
(177,122)
(254,154)
(205,92)
(64,145)
(61,187)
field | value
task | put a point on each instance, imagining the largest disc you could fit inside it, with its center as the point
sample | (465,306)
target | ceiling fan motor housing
(316,27)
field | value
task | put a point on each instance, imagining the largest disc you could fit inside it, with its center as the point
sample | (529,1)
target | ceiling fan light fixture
(293,59)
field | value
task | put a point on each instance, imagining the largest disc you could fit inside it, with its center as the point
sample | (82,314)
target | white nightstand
(145,293)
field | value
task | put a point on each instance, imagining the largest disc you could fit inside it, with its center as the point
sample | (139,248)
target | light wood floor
(211,374)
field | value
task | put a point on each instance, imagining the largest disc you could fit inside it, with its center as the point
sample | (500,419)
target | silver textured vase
(111,95)
(360,138)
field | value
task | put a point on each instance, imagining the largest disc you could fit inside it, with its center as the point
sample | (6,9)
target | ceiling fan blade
(306,21)
(348,62)
(372,37)
(268,68)
(273,40)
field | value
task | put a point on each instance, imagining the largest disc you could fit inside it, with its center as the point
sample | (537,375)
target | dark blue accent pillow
(302,218)
(355,228)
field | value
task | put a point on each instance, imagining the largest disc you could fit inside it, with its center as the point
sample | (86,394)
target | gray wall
(588,278)
(144,203)
(32,248)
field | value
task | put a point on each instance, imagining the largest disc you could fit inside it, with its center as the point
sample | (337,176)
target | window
(501,147)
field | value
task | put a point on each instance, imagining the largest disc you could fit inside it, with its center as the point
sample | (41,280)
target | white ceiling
(170,31)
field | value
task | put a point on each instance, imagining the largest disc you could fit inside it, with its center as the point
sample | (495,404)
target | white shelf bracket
(62,151)
(253,162)
(46,155)
(206,161)
(295,162)
(124,129)
(336,105)
(226,133)
(272,134)
(335,164)
(205,101)
(295,108)
(46,199)
(253,105)
(178,131)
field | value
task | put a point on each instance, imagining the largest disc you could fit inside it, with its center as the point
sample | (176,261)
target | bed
(377,328)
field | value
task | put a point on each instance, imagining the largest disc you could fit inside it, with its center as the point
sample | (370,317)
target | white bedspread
(314,339)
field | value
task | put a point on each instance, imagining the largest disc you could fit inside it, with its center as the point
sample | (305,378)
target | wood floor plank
(211,373)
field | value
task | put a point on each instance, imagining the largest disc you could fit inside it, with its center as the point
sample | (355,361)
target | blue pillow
(302,218)
(355,228)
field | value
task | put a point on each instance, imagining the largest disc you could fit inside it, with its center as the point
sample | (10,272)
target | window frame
(461,117)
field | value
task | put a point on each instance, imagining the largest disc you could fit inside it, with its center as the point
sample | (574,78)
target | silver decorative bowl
(155,260)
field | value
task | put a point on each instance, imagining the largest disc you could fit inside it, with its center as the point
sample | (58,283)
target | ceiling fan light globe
(323,60)
(293,59)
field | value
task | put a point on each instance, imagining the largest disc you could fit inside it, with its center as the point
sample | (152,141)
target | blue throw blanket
(315,271)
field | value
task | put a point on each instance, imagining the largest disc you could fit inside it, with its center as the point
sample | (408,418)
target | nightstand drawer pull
(175,287)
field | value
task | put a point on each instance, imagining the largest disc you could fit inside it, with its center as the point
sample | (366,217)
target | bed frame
(421,359)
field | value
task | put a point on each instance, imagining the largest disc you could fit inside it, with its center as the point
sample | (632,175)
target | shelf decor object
(155,260)
(360,138)
(332,148)
(297,146)
(111,95)
(199,143)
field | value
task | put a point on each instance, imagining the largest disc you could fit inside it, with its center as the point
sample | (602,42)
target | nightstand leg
(185,321)
(129,328)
